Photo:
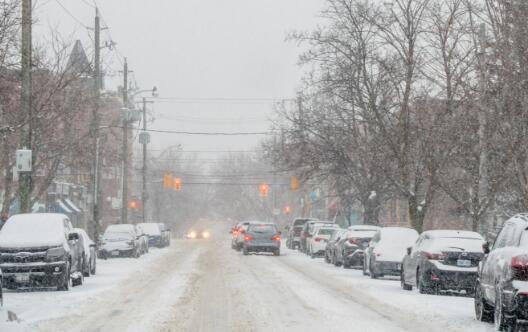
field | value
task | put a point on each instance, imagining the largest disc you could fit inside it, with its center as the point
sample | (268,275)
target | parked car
(165,234)
(317,243)
(502,293)
(443,260)
(154,234)
(238,236)
(293,240)
(349,249)
(40,250)
(386,251)
(143,240)
(331,244)
(262,237)
(120,240)
(89,253)
(307,232)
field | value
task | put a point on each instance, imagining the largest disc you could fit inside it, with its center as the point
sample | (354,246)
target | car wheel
(276,252)
(85,268)
(245,252)
(238,248)
(66,282)
(422,287)
(404,285)
(336,262)
(502,323)
(364,268)
(483,311)
(327,260)
(93,267)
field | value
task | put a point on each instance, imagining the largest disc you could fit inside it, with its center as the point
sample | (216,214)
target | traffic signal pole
(144,194)
(124,191)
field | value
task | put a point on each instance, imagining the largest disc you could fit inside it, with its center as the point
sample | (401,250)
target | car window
(504,237)
(326,231)
(524,239)
(262,228)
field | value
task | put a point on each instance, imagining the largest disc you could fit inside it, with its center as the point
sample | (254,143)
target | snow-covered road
(206,286)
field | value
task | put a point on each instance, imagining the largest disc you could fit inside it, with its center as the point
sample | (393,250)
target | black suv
(502,292)
(40,250)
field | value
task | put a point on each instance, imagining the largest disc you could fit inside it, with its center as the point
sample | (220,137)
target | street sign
(24,161)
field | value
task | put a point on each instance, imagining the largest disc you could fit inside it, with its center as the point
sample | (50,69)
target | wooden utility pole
(126,115)
(26,116)
(95,125)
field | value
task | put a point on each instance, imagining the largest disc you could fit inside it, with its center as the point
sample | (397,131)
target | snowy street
(204,285)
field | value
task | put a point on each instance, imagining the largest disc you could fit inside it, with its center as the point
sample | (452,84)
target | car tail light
(434,256)
(519,266)
(276,238)
(248,238)
(353,241)
(317,239)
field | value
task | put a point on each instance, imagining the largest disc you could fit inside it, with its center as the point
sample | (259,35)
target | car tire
(85,269)
(502,323)
(336,263)
(245,251)
(93,267)
(276,252)
(422,288)
(327,260)
(404,285)
(238,247)
(364,269)
(66,282)
(483,311)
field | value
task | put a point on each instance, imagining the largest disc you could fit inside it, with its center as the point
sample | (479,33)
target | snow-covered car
(293,239)
(120,240)
(386,251)
(317,243)
(165,234)
(350,248)
(331,244)
(502,288)
(238,237)
(308,231)
(262,237)
(153,231)
(40,250)
(443,260)
(143,240)
(89,253)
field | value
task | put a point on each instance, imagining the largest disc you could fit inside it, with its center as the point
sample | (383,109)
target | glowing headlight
(205,234)
(191,235)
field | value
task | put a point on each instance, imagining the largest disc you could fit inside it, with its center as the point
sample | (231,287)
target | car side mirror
(486,248)
(409,250)
(73,236)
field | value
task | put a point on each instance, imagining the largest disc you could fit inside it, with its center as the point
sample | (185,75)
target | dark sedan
(443,260)
(349,250)
(331,245)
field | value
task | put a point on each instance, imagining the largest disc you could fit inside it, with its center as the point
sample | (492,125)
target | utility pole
(124,193)
(95,125)
(26,117)
(144,193)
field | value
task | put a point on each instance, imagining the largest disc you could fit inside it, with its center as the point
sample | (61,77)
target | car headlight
(205,234)
(55,254)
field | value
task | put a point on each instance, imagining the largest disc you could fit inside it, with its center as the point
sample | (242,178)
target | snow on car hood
(33,230)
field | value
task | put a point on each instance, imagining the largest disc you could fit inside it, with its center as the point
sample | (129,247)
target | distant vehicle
(307,232)
(154,234)
(89,253)
(143,240)
(443,260)
(120,240)
(317,243)
(293,240)
(198,234)
(262,237)
(331,244)
(386,251)
(350,248)
(165,234)
(238,236)
(501,294)
(40,250)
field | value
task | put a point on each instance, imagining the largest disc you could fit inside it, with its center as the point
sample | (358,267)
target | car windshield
(263,228)
(325,231)
(456,244)
(119,236)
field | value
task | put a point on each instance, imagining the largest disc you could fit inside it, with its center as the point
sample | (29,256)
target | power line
(203,133)
(71,15)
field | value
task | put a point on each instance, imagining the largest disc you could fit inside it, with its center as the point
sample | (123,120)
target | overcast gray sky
(198,49)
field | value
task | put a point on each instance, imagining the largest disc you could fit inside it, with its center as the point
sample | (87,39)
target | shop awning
(72,206)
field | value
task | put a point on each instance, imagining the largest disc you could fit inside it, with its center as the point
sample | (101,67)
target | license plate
(22,278)
(463,263)
(115,253)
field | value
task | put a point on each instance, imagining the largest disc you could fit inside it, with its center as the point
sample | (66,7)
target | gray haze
(197,49)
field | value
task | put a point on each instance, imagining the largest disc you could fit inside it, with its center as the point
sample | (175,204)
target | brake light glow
(276,238)
(317,239)
(248,238)
(520,262)
(352,241)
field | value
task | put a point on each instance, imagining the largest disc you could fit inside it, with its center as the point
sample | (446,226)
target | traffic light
(287,209)
(177,184)
(167,180)
(133,204)
(264,189)
(294,183)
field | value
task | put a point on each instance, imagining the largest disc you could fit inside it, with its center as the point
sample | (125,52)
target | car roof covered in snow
(121,228)
(453,233)
(33,230)
(363,228)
